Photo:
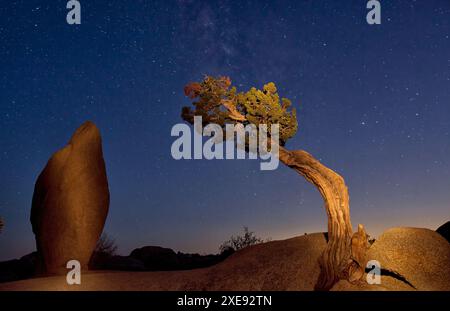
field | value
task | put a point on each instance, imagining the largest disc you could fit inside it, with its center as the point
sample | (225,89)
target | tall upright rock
(70,202)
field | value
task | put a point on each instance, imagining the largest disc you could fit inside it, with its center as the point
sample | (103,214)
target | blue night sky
(373,104)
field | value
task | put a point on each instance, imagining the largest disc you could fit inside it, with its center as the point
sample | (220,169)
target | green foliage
(218,102)
(238,242)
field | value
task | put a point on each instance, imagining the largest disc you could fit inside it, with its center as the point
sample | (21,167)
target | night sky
(373,104)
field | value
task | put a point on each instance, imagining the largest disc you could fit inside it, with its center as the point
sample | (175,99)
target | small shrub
(238,242)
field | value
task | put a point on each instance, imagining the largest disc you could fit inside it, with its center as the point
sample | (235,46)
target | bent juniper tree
(216,101)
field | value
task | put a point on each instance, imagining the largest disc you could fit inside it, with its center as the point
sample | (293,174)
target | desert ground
(410,258)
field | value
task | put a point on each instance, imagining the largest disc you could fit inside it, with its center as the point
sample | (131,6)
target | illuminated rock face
(419,256)
(70,202)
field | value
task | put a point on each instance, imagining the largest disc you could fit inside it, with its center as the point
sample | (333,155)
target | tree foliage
(217,101)
(238,242)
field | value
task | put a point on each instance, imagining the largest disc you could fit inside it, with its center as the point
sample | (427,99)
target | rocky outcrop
(156,258)
(18,269)
(444,230)
(70,202)
(291,264)
(115,262)
(277,265)
(419,257)
(410,259)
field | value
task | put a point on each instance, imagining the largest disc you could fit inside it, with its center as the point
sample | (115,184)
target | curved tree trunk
(344,256)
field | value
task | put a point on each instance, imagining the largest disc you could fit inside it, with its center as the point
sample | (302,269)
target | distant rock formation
(18,269)
(444,230)
(156,258)
(70,202)
(24,268)
(115,262)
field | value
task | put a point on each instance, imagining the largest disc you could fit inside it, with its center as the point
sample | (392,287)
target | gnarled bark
(344,257)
